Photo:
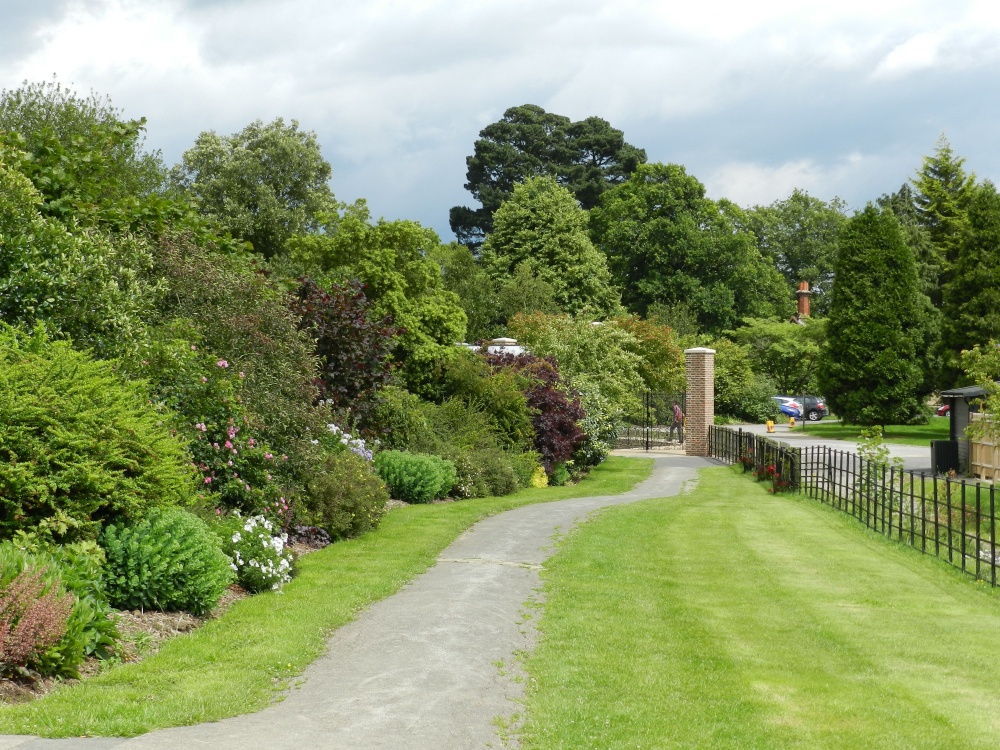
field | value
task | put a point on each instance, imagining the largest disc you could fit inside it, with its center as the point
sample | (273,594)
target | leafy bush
(75,569)
(344,497)
(92,287)
(78,445)
(415,477)
(497,394)
(559,476)
(401,421)
(33,617)
(555,413)
(352,346)
(168,561)
(739,392)
(257,553)
(241,316)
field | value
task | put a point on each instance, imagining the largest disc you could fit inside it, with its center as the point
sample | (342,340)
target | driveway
(915,458)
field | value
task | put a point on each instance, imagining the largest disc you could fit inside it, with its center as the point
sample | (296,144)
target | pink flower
(229,444)
(222,363)
(251,442)
(218,511)
(204,379)
(208,480)
(268,456)
(201,426)
(248,486)
(194,348)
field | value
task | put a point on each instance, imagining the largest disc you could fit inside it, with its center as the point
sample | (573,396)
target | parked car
(813,407)
(788,406)
(944,410)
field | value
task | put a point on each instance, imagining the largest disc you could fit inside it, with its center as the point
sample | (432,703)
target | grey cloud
(22,24)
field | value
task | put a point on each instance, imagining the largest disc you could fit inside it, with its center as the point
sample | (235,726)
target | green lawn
(729,618)
(235,664)
(908,434)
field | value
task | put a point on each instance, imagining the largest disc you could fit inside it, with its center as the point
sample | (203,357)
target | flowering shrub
(236,468)
(257,551)
(336,440)
(746,460)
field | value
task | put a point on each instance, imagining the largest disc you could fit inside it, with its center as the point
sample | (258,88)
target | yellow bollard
(770,425)
(791,423)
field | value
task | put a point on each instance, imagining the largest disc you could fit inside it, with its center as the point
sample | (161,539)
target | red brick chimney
(803,294)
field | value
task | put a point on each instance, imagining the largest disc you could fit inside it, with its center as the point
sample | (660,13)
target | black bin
(944,456)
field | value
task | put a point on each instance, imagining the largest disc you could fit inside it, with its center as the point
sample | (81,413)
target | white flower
(236,538)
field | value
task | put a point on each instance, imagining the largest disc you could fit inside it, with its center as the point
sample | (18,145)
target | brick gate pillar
(700,399)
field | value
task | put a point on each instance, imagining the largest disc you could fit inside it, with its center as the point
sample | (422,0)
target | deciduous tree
(587,157)
(543,229)
(667,243)
(264,184)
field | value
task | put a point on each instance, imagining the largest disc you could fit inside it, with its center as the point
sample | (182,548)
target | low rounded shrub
(415,477)
(256,550)
(168,561)
(344,497)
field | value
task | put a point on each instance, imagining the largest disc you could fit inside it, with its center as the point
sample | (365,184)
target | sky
(753,98)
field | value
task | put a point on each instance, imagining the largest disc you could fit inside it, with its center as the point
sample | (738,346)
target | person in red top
(677,424)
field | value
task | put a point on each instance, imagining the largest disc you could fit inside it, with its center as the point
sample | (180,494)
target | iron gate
(650,427)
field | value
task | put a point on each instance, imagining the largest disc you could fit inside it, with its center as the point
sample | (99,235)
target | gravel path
(432,667)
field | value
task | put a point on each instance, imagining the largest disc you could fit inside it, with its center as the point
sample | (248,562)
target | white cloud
(756,184)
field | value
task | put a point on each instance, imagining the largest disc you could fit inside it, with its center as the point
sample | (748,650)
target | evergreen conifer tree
(869,370)
(972,295)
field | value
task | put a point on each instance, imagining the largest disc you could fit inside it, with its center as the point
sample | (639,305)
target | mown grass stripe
(730,618)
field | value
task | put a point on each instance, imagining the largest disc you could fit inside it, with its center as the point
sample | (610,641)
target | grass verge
(907,434)
(729,618)
(235,664)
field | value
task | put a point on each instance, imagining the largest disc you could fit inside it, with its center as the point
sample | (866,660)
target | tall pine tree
(972,296)
(869,370)
(942,191)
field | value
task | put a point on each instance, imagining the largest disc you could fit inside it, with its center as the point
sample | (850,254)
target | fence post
(700,365)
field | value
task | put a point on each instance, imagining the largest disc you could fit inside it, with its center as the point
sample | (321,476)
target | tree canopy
(667,243)
(541,228)
(787,353)
(800,234)
(587,157)
(402,282)
(264,184)
(942,191)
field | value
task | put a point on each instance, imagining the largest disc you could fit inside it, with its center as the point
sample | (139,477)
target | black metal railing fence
(952,518)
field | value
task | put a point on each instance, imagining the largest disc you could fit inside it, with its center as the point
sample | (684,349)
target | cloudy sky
(754,98)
